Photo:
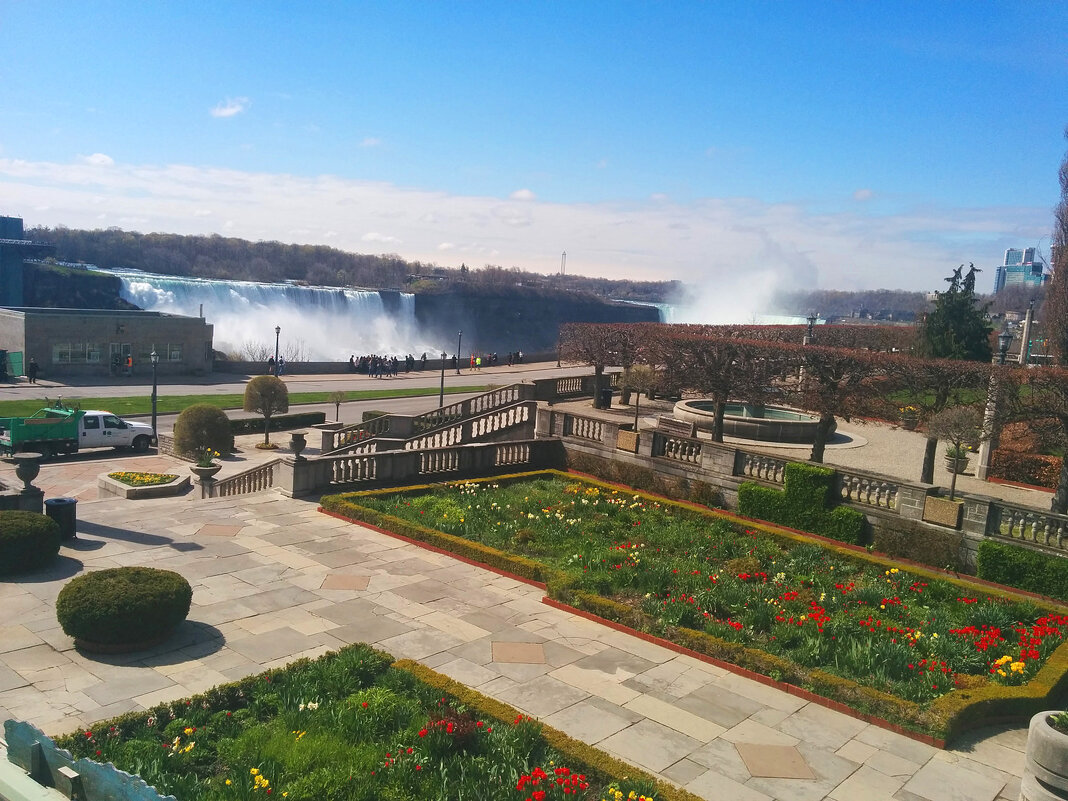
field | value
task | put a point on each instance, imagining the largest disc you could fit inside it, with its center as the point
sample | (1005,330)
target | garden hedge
(802,504)
(1016,566)
(279,422)
(28,540)
(943,718)
(123,605)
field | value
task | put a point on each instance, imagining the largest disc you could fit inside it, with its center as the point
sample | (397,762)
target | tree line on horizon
(229,258)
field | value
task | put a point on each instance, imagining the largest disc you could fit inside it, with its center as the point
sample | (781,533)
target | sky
(723,144)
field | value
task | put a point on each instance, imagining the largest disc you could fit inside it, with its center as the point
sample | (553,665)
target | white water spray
(323,323)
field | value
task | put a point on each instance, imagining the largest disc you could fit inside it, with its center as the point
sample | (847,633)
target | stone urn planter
(1045,775)
(205,472)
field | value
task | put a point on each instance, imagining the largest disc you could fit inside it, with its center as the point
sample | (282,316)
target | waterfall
(318,323)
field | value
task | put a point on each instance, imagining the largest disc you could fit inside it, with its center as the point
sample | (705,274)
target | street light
(154,357)
(1004,340)
(459,339)
(277,331)
(441,393)
(811,324)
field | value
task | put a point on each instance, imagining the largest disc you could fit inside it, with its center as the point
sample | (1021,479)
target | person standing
(31,370)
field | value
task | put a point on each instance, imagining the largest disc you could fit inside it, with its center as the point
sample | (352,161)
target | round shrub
(203,426)
(28,540)
(123,605)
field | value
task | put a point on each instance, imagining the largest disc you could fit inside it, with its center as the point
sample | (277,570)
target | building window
(174,353)
(77,353)
(61,353)
(94,353)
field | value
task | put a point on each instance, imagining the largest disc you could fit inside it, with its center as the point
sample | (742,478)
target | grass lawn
(172,404)
(900,632)
(351,725)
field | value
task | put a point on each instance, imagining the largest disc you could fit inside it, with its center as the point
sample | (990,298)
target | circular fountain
(749,421)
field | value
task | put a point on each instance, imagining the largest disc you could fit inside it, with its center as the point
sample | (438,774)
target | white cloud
(712,239)
(522,194)
(231,107)
(97,160)
(370,141)
(374,236)
(202,213)
(863,194)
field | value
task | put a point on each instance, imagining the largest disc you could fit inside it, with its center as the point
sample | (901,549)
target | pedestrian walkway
(274,579)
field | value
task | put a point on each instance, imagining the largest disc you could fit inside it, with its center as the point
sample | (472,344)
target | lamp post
(459,339)
(811,319)
(154,357)
(277,332)
(441,393)
(1004,340)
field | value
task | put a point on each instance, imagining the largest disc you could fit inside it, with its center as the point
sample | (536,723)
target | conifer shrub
(123,605)
(202,426)
(28,540)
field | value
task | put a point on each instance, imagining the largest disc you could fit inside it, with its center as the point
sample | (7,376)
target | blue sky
(851,146)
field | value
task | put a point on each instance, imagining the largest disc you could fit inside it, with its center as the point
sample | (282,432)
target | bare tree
(1056,309)
(959,426)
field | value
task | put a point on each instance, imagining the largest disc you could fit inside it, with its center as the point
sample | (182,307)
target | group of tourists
(377,366)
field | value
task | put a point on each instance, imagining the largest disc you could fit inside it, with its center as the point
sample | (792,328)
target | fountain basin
(747,421)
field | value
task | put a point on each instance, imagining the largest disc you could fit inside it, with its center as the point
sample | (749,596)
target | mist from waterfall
(318,323)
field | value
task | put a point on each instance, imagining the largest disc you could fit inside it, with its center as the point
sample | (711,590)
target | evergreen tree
(957,327)
(1056,312)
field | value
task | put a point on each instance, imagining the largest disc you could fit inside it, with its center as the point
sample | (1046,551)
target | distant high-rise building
(1020,269)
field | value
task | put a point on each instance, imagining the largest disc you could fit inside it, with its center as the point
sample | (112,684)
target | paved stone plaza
(274,579)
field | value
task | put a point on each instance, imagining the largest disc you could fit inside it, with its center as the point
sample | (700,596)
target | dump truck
(57,429)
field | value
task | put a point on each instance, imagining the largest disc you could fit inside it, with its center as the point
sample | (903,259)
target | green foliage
(266,395)
(279,422)
(123,604)
(1029,570)
(203,426)
(402,733)
(957,327)
(802,504)
(28,540)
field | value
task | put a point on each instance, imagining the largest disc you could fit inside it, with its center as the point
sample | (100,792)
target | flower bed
(142,485)
(352,726)
(142,479)
(907,645)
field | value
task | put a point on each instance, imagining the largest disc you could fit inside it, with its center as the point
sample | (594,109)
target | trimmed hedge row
(279,422)
(1005,563)
(947,716)
(28,540)
(1035,469)
(802,504)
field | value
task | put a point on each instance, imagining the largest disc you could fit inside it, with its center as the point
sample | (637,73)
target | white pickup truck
(61,430)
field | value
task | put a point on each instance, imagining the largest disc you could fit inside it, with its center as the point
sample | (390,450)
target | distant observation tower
(563,263)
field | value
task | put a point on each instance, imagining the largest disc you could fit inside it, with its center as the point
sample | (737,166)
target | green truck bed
(50,426)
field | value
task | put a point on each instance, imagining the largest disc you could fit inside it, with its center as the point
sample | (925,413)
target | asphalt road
(228,383)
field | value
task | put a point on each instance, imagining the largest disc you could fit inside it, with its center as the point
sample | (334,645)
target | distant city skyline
(742,146)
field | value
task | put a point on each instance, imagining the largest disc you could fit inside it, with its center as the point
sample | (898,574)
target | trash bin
(606,398)
(65,512)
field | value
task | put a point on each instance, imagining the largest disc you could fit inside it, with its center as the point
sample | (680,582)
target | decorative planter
(297,443)
(1045,775)
(27,467)
(909,423)
(205,472)
(956,464)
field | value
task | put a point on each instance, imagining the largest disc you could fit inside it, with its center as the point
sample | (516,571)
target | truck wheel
(142,443)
